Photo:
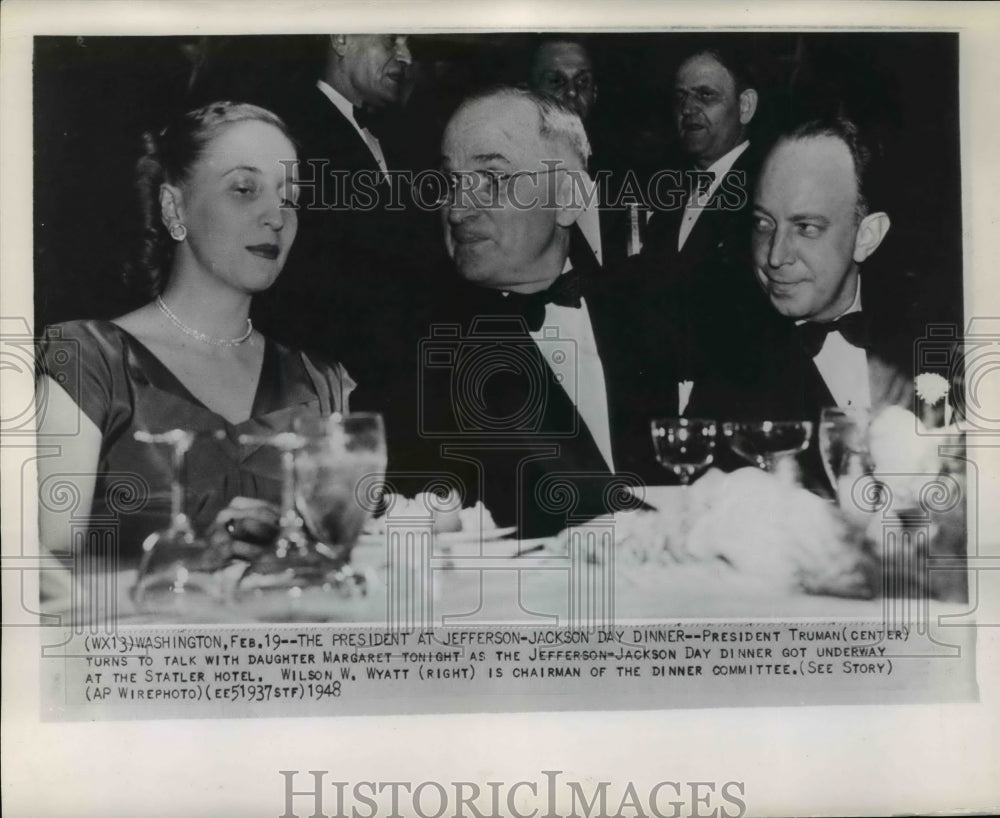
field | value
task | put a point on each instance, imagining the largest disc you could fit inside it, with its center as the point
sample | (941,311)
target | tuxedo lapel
(807,391)
(327,134)
(639,357)
(817,393)
(558,420)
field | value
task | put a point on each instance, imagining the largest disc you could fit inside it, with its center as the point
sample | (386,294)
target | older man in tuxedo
(531,388)
(363,243)
(833,339)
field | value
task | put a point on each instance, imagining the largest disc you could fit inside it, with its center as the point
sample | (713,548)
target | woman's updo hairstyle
(169,158)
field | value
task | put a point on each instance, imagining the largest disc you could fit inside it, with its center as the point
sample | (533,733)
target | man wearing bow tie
(363,242)
(531,374)
(813,228)
(835,340)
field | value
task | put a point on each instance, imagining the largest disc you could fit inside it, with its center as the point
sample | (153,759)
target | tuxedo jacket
(769,376)
(707,288)
(476,402)
(719,232)
(362,252)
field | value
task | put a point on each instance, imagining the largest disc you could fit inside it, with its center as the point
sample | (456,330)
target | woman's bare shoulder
(140,322)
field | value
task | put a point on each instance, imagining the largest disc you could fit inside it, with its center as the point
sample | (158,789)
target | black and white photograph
(461,372)
(524,313)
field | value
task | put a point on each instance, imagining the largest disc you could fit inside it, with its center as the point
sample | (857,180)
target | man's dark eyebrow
(810,217)
(481,158)
(490,157)
(249,168)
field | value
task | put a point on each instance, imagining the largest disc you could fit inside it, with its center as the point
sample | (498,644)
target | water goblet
(288,565)
(684,446)
(322,462)
(769,444)
(177,572)
(342,459)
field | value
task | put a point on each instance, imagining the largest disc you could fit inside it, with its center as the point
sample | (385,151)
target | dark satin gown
(123,387)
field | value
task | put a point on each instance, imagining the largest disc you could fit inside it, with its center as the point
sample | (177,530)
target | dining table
(411,575)
(429,621)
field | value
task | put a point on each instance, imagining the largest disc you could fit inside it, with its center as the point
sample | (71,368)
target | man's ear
(870,233)
(748,106)
(171,205)
(338,44)
(572,191)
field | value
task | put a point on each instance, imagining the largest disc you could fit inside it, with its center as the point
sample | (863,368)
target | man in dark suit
(830,341)
(697,246)
(530,388)
(561,68)
(362,245)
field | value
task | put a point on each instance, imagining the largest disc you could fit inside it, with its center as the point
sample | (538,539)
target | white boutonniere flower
(931,387)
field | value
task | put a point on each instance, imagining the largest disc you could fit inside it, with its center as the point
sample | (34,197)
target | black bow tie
(364,116)
(853,327)
(565,291)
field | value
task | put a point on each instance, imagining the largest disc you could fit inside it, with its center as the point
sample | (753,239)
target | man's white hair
(558,124)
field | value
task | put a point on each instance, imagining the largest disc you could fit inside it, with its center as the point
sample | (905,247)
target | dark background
(93,97)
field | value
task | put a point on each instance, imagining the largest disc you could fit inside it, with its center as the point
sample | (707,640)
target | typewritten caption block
(323,670)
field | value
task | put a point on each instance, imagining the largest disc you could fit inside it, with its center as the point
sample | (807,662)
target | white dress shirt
(696,203)
(578,369)
(346,107)
(844,367)
(589,220)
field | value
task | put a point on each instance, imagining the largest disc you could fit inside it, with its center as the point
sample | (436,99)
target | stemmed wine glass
(322,462)
(770,444)
(684,446)
(177,573)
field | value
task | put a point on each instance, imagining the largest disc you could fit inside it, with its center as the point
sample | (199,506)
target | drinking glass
(843,441)
(684,446)
(339,458)
(323,463)
(767,443)
(177,573)
(845,449)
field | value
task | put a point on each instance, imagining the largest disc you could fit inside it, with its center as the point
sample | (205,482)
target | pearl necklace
(201,336)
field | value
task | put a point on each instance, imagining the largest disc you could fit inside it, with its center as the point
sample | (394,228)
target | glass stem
(290,522)
(178,518)
(685,517)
